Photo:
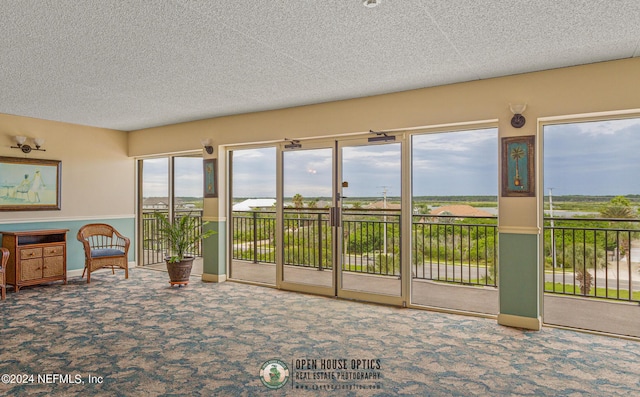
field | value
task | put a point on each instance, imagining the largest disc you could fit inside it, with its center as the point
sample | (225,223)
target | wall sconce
(518,120)
(206,143)
(20,144)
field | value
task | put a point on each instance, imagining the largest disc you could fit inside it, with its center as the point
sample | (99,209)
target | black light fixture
(518,120)
(381,137)
(20,144)
(206,143)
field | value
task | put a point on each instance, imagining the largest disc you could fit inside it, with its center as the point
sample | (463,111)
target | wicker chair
(3,274)
(103,247)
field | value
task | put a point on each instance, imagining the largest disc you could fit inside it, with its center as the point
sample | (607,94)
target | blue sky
(188,177)
(444,164)
(591,158)
(594,158)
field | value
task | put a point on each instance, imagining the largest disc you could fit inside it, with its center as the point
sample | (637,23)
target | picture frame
(210,178)
(518,172)
(30,184)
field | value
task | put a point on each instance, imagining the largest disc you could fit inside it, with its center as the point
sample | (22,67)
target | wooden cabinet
(36,256)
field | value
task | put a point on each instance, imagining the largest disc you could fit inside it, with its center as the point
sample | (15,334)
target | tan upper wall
(601,87)
(605,86)
(98,177)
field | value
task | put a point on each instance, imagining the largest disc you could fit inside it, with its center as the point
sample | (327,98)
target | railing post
(320,241)
(255,237)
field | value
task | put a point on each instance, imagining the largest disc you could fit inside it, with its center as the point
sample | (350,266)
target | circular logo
(274,374)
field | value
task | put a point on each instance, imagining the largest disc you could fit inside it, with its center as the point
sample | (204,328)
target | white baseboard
(214,278)
(510,320)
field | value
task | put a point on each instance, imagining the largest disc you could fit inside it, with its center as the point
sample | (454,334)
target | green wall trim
(214,249)
(519,277)
(75,253)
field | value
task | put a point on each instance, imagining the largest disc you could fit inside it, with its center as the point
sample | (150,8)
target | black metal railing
(445,248)
(154,249)
(449,248)
(307,238)
(254,236)
(371,241)
(593,257)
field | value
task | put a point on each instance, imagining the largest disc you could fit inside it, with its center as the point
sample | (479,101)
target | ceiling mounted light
(370,3)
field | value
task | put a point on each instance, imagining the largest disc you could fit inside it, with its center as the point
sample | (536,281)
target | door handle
(334,215)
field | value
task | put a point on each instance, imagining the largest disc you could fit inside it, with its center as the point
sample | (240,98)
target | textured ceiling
(131,64)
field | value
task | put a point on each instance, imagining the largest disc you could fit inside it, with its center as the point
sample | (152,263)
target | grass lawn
(599,292)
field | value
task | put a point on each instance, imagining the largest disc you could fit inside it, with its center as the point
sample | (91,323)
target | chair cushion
(97,253)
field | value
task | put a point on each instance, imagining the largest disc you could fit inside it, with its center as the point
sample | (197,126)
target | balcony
(593,258)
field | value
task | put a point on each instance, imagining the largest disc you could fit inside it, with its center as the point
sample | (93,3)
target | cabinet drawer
(30,253)
(53,266)
(31,269)
(53,250)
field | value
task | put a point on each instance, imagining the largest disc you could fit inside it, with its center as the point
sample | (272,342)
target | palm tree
(516,154)
(618,207)
(297,201)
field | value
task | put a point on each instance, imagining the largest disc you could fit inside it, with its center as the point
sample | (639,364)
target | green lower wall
(519,284)
(214,249)
(75,253)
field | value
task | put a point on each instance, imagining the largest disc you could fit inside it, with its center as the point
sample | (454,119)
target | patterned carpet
(140,337)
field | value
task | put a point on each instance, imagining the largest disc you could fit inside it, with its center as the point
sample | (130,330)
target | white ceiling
(132,64)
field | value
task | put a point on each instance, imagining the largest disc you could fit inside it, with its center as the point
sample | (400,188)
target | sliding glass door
(252,192)
(173,186)
(454,255)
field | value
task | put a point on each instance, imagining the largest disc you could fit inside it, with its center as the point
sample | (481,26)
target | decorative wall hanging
(210,178)
(518,173)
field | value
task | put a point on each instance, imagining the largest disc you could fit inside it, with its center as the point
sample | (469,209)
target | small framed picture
(29,184)
(518,172)
(210,178)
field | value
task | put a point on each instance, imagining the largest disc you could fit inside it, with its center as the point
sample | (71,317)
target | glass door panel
(307,190)
(454,233)
(188,198)
(253,215)
(370,183)
(155,198)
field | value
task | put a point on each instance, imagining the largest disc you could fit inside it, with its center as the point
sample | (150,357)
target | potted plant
(181,238)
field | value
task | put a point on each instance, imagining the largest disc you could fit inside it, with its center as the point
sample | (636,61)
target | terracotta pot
(179,272)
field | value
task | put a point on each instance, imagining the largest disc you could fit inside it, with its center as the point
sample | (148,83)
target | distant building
(379,205)
(251,204)
(461,210)
(162,203)
(155,203)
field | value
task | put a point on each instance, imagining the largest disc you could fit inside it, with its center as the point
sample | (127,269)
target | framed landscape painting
(29,184)
(518,174)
